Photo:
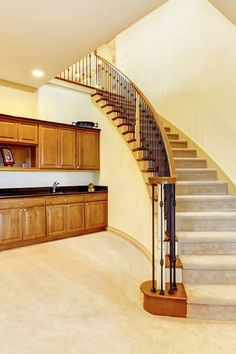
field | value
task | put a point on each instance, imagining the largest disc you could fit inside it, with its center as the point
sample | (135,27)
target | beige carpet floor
(81,296)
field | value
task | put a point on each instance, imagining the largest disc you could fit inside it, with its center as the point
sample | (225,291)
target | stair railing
(147,131)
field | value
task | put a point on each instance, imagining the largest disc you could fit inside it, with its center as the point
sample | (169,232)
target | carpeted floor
(81,296)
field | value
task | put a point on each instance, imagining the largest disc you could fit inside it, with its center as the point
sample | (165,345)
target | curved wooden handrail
(158,121)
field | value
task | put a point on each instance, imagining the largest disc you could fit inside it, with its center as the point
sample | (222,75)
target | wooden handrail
(158,121)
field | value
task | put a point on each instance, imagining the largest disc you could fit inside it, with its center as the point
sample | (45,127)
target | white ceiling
(52,34)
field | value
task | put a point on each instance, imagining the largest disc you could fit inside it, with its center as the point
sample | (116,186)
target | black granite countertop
(47,191)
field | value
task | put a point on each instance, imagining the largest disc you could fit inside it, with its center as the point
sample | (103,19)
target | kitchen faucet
(54,186)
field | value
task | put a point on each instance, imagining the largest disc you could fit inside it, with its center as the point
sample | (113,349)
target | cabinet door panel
(34,223)
(95,215)
(56,220)
(48,138)
(67,148)
(88,150)
(8,131)
(75,218)
(28,133)
(11,229)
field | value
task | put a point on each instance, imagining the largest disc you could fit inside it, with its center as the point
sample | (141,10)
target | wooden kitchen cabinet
(95,211)
(22,219)
(65,215)
(8,130)
(87,149)
(57,147)
(48,144)
(75,218)
(11,225)
(27,133)
(34,222)
(56,220)
(23,132)
(31,220)
(66,148)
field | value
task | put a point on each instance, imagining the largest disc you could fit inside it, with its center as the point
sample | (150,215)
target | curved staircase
(205,224)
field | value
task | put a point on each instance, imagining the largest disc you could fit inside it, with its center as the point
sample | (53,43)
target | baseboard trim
(132,240)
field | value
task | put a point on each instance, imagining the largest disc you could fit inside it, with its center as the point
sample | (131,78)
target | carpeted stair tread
(206,202)
(209,262)
(206,236)
(209,214)
(211,294)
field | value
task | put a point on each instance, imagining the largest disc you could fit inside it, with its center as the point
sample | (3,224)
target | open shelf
(25,157)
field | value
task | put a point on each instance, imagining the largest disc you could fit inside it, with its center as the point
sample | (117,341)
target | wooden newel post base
(174,305)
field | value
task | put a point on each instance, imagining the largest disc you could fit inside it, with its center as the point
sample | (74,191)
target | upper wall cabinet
(88,149)
(57,147)
(22,132)
(37,144)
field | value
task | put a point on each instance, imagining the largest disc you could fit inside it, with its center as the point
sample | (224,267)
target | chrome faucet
(54,186)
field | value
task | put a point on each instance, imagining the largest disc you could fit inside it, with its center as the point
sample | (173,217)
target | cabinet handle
(21,203)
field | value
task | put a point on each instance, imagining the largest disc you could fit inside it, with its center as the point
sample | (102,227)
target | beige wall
(129,202)
(183,57)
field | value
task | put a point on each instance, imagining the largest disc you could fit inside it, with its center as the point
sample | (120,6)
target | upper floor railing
(143,123)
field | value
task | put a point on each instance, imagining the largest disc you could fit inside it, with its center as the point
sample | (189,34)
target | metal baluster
(162,261)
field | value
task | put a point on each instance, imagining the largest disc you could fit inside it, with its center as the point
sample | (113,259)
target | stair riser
(209,276)
(220,189)
(178,144)
(202,248)
(197,175)
(211,312)
(184,153)
(206,205)
(205,224)
(193,163)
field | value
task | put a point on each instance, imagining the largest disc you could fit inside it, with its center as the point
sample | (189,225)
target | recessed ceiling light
(38,73)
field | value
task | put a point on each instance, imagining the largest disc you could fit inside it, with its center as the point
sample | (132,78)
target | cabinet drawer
(95,196)
(65,199)
(21,202)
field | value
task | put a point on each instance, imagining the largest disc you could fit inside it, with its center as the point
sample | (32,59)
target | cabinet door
(88,150)
(67,148)
(8,131)
(28,133)
(75,218)
(11,229)
(48,140)
(96,215)
(56,220)
(34,223)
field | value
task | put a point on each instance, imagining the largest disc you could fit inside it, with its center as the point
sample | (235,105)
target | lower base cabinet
(11,226)
(65,219)
(95,215)
(22,219)
(34,223)
(31,220)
